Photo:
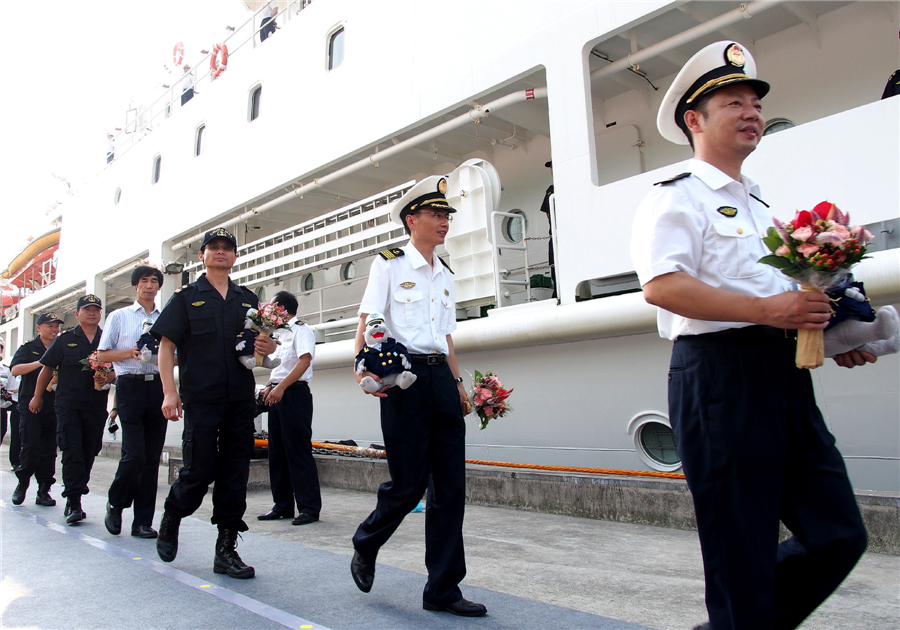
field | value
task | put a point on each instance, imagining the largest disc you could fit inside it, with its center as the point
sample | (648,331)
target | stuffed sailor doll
(244,346)
(383,357)
(148,345)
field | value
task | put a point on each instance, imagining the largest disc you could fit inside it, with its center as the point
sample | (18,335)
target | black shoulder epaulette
(444,262)
(67,330)
(759,200)
(672,180)
(182,288)
(389,254)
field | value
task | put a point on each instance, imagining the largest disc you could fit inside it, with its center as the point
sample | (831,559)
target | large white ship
(299,144)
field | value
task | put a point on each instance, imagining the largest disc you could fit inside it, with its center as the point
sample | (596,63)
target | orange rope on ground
(593,471)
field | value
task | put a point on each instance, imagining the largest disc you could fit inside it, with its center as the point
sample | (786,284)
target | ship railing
(502,276)
(140,122)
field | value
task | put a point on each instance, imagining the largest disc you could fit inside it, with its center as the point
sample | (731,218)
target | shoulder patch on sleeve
(444,262)
(672,180)
(181,288)
(389,254)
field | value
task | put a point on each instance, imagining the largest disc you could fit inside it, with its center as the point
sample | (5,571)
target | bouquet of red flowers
(95,365)
(817,248)
(266,320)
(489,397)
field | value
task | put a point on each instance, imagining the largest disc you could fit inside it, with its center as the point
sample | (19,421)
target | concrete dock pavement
(532,570)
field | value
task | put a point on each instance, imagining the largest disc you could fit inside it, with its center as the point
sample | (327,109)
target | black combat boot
(167,542)
(74,513)
(227,559)
(19,493)
(43,496)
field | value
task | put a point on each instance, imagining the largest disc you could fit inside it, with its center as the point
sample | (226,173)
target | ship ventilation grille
(336,238)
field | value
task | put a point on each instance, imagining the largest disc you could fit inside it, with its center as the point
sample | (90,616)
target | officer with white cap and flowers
(753,444)
(423,427)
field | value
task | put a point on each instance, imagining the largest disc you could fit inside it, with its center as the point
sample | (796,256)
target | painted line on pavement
(247,603)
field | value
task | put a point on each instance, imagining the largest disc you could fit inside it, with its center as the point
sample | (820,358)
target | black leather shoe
(363,572)
(143,531)
(167,543)
(227,560)
(273,515)
(18,495)
(113,519)
(304,519)
(73,512)
(43,497)
(463,608)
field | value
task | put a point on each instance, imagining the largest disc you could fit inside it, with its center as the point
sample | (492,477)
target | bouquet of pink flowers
(489,397)
(266,320)
(817,248)
(95,365)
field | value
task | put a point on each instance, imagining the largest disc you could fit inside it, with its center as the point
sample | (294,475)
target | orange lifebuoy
(218,60)
(178,53)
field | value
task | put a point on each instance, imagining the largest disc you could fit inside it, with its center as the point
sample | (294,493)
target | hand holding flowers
(817,248)
(489,397)
(266,320)
(100,368)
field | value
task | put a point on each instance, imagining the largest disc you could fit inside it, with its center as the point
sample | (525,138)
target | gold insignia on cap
(197,303)
(53,316)
(442,186)
(446,292)
(407,285)
(223,233)
(734,55)
(91,298)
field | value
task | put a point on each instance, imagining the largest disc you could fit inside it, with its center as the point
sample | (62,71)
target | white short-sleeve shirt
(123,328)
(296,341)
(711,227)
(416,299)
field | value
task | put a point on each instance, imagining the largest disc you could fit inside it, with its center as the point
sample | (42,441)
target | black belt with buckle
(140,377)
(428,359)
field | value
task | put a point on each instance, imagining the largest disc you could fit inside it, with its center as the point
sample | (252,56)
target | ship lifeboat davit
(30,261)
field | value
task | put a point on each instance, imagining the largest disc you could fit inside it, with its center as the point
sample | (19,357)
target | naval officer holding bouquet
(80,401)
(423,427)
(754,446)
(202,320)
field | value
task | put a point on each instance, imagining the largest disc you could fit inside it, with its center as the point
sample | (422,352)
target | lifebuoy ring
(218,60)
(178,54)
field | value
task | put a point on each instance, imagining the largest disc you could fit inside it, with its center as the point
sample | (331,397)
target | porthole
(261,294)
(348,271)
(308,282)
(255,98)
(654,441)
(777,124)
(157,164)
(336,48)
(117,197)
(514,228)
(198,140)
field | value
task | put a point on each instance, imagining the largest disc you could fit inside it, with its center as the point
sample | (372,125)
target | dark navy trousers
(217,444)
(139,404)
(79,434)
(756,451)
(424,434)
(38,453)
(292,468)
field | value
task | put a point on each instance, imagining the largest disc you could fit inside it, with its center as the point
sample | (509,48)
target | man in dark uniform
(80,403)
(202,321)
(545,208)
(38,431)
(423,427)
(754,446)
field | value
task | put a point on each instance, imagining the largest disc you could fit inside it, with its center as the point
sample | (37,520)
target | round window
(514,227)
(261,294)
(308,282)
(348,271)
(117,197)
(777,124)
(654,441)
